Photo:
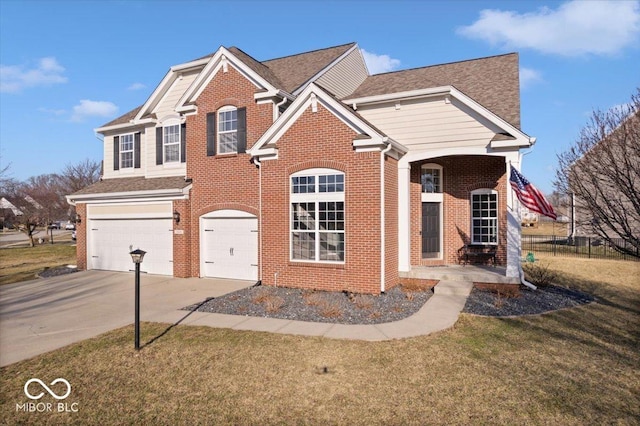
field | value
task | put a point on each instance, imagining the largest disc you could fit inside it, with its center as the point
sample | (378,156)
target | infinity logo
(52,393)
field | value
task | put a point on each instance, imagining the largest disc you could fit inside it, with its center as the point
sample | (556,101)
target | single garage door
(230,248)
(111,240)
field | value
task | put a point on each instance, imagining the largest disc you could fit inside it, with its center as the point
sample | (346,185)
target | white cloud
(575,28)
(14,78)
(379,63)
(528,77)
(88,108)
(137,86)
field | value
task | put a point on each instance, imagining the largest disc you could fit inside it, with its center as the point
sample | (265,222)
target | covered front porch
(451,200)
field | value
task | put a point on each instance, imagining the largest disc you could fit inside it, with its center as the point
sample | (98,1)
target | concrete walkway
(439,313)
(46,314)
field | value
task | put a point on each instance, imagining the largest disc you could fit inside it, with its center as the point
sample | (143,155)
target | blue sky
(69,67)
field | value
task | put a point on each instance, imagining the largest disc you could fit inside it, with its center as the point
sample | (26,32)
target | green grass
(572,367)
(23,263)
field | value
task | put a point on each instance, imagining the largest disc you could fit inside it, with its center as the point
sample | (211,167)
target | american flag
(529,195)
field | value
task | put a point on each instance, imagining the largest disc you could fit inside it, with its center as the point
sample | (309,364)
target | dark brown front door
(430,230)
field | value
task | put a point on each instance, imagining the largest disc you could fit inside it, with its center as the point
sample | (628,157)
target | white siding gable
(423,124)
(168,103)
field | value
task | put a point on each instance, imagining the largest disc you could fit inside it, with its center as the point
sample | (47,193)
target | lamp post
(137,255)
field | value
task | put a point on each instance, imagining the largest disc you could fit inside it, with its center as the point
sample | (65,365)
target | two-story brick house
(306,171)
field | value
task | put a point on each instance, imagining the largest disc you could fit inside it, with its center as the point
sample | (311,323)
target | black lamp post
(137,255)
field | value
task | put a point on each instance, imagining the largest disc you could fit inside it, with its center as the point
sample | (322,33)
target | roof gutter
(172,193)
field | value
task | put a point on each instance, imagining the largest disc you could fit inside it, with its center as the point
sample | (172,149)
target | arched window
(318,215)
(484,216)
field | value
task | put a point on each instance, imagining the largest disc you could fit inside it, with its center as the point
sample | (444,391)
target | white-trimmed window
(484,216)
(171,143)
(126,151)
(317,216)
(227,130)
(431,178)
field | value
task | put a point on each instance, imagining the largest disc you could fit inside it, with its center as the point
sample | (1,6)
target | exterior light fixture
(137,255)
(176,216)
(78,218)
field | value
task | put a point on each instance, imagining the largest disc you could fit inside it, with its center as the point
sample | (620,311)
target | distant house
(613,189)
(306,171)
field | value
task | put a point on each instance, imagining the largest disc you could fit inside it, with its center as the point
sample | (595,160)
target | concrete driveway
(46,314)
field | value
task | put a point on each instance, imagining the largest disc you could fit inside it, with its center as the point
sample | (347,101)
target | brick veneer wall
(321,140)
(221,181)
(392,277)
(461,175)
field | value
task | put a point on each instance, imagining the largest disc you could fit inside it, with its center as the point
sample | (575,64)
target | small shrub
(539,274)
(363,301)
(375,315)
(499,302)
(410,295)
(330,310)
(260,295)
(273,303)
(418,285)
(313,299)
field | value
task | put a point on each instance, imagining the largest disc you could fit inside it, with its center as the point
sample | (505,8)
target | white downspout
(383,153)
(276,109)
(257,163)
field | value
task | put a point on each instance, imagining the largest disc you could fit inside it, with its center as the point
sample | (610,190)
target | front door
(430,230)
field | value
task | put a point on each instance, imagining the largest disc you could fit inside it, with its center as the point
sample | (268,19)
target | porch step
(461,273)
(453,288)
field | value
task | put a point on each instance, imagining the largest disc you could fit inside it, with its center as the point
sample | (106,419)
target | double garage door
(229,247)
(111,240)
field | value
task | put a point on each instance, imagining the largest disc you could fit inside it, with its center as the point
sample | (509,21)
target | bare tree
(602,169)
(74,177)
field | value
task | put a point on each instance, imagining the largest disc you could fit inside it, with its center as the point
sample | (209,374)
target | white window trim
(497,218)
(219,132)
(316,197)
(132,151)
(164,144)
(432,196)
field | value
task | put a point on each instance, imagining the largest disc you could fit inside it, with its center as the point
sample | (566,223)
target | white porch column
(404,216)
(514,231)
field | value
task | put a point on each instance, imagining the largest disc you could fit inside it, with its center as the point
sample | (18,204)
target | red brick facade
(460,176)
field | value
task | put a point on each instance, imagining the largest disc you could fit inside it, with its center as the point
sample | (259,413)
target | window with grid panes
(317,216)
(484,217)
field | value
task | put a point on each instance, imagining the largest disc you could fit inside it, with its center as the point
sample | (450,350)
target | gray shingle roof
(132,184)
(124,118)
(493,82)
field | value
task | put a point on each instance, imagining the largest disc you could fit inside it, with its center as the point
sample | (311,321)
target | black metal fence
(585,247)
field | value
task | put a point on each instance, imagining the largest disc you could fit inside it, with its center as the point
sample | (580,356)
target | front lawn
(23,263)
(575,366)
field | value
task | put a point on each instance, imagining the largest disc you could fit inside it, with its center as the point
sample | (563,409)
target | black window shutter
(116,153)
(136,150)
(183,143)
(242,130)
(211,134)
(158,145)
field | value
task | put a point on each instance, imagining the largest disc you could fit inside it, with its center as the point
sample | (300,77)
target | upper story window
(126,151)
(431,178)
(228,130)
(317,216)
(484,216)
(171,143)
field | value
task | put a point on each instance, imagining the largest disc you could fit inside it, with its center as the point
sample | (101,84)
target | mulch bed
(318,306)
(529,302)
(56,271)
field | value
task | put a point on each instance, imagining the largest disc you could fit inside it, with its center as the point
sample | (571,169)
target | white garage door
(230,248)
(110,242)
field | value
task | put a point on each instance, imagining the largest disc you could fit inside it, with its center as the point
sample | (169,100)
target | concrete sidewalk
(439,313)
